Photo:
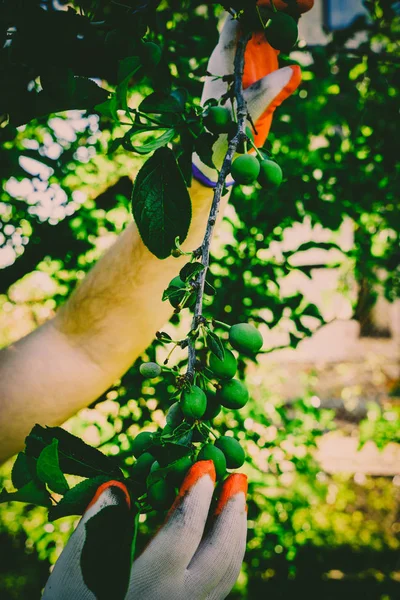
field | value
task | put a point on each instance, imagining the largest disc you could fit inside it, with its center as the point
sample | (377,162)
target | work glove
(265,86)
(186,560)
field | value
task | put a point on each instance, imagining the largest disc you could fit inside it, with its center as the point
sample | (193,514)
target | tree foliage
(66,181)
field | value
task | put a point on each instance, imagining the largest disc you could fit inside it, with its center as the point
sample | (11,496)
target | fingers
(260,59)
(217,562)
(265,95)
(174,545)
(100,546)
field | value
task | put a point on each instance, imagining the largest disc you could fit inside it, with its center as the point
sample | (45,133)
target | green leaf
(150,146)
(310,245)
(48,469)
(160,103)
(75,457)
(161,203)
(190,270)
(204,148)
(23,471)
(32,493)
(215,345)
(127,67)
(169,452)
(76,500)
(311,310)
(181,95)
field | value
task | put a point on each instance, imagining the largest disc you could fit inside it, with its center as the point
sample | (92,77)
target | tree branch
(241,113)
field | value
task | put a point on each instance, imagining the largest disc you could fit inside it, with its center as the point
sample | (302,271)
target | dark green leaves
(76,500)
(32,492)
(48,469)
(160,103)
(151,145)
(161,203)
(169,452)
(215,345)
(190,270)
(23,471)
(204,148)
(75,457)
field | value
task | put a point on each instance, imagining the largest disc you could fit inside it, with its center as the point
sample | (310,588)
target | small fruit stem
(257,150)
(241,114)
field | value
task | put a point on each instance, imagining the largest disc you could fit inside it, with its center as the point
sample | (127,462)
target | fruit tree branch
(241,114)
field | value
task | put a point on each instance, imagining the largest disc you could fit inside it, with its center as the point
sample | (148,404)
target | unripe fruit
(233,394)
(177,473)
(142,466)
(193,402)
(141,443)
(150,370)
(210,452)
(151,54)
(281,32)
(160,495)
(213,407)
(245,338)
(245,169)
(233,451)
(226,368)
(174,415)
(177,298)
(155,466)
(217,119)
(270,173)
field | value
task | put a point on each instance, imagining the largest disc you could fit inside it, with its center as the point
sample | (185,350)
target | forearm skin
(108,321)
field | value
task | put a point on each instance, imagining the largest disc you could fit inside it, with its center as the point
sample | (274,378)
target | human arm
(109,320)
(113,315)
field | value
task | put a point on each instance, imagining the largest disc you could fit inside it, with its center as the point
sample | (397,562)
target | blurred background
(316,265)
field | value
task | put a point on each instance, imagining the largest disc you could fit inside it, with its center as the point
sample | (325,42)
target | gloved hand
(266,86)
(183,561)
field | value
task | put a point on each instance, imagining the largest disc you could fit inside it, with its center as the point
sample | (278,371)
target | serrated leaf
(32,493)
(23,470)
(215,345)
(161,203)
(75,457)
(76,500)
(190,270)
(48,469)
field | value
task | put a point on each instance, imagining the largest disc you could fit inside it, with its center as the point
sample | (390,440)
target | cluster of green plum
(188,422)
(248,168)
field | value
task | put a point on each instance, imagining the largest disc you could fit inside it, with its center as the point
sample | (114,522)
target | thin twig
(241,113)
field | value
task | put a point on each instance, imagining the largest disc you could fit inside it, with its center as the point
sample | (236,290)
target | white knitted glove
(265,88)
(184,561)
